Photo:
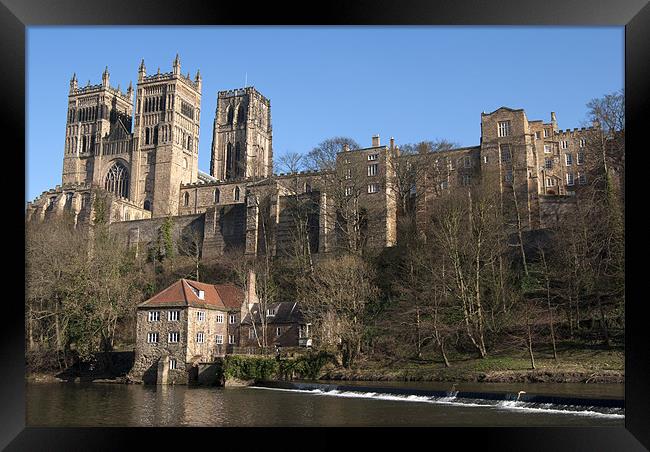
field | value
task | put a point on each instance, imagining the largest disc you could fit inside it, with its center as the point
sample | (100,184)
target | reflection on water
(137,405)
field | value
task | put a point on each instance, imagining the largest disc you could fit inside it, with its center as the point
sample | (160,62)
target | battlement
(241,92)
(92,89)
(574,131)
(170,76)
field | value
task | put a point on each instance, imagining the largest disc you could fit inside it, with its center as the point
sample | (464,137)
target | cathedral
(141,149)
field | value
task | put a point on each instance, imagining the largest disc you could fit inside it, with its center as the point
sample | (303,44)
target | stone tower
(242,136)
(94,112)
(166,137)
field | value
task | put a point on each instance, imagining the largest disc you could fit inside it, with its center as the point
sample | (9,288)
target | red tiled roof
(181,293)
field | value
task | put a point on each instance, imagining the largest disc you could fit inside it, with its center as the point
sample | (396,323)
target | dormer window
(270,312)
(201,295)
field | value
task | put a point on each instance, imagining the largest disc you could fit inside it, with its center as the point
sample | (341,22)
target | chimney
(346,147)
(251,295)
(375,141)
(392,143)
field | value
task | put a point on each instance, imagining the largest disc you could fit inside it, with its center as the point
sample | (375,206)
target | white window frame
(568,159)
(373,157)
(547,149)
(348,173)
(551,182)
(373,188)
(373,169)
(231,339)
(200,316)
(503,128)
(219,339)
(200,337)
(219,318)
(564,144)
(547,133)
(173,316)
(348,191)
(485,159)
(172,337)
(569,179)
(152,337)
(173,364)
(271,312)
(154,316)
(580,158)
(278,331)
(583,142)
(232,318)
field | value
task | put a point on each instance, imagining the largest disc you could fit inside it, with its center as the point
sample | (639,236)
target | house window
(348,173)
(232,318)
(569,178)
(504,128)
(466,179)
(219,339)
(154,316)
(172,338)
(270,312)
(348,191)
(550,182)
(564,144)
(373,156)
(200,337)
(548,163)
(278,331)
(547,133)
(505,153)
(547,148)
(569,159)
(485,159)
(372,169)
(152,338)
(583,142)
(173,365)
(200,316)
(231,339)
(217,195)
(372,188)
(580,158)
(582,178)
(508,176)
(219,318)
(172,316)
(537,135)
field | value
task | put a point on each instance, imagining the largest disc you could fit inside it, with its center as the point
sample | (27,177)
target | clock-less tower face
(242,136)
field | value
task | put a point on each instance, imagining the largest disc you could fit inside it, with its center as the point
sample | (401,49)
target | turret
(177,65)
(142,71)
(198,79)
(73,83)
(129,91)
(554,121)
(105,77)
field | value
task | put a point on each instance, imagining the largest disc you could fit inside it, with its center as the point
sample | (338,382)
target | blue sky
(413,83)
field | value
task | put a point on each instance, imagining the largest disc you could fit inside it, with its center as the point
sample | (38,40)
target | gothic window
(185,163)
(83,144)
(236,194)
(228,160)
(189,143)
(230,115)
(117,180)
(186,199)
(146,136)
(241,114)
(237,160)
(147,205)
(217,195)
(155,135)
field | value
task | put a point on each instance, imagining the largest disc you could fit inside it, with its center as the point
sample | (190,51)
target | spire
(177,65)
(105,77)
(142,71)
(198,79)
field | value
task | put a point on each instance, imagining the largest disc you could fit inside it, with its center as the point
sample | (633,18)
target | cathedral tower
(242,136)
(166,137)
(94,111)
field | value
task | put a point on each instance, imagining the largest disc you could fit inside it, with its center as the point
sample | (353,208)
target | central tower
(242,135)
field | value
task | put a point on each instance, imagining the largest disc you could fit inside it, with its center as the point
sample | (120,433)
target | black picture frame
(18,14)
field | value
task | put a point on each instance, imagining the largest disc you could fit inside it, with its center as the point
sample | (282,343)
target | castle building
(144,155)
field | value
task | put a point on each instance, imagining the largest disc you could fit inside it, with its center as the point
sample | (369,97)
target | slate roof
(184,293)
(285,312)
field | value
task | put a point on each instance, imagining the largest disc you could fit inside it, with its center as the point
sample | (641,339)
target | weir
(524,399)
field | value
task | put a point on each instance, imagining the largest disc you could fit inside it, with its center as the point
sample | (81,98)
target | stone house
(186,324)
(285,326)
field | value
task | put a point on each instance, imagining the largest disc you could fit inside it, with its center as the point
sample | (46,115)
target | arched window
(241,114)
(236,194)
(228,160)
(230,115)
(155,135)
(185,163)
(238,165)
(186,199)
(117,180)
(217,195)
(146,136)
(147,205)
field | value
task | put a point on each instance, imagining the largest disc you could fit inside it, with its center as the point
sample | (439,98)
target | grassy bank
(574,365)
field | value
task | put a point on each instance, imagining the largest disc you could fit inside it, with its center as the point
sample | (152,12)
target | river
(96,404)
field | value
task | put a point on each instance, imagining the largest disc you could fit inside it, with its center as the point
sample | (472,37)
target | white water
(452,400)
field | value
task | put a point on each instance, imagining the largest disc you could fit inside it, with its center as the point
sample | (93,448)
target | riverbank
(572,366)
